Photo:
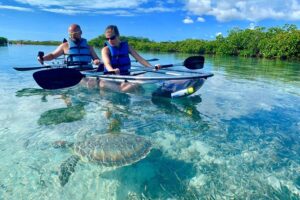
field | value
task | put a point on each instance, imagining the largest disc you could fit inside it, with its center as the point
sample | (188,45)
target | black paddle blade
(194,62)
(57,78)
(30,68)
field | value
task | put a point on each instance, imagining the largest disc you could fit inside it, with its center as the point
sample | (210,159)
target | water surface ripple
(238,137)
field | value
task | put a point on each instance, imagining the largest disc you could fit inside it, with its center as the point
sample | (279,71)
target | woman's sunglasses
(111,38)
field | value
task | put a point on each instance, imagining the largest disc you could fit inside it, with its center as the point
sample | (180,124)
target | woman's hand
(157,66)
(117,71)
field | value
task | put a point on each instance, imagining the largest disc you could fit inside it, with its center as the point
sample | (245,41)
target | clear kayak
(167,83)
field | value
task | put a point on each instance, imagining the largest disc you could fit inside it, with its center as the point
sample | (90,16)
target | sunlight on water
(236,138)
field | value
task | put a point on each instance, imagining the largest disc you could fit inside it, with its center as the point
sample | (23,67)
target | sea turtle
(110,150)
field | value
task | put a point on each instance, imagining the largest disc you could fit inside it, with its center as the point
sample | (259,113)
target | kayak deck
(166,84)
(169,83)
(147,76)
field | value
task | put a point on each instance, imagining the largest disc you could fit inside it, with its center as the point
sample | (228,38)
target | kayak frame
(133,77)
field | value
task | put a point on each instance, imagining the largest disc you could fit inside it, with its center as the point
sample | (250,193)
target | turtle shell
(113,150)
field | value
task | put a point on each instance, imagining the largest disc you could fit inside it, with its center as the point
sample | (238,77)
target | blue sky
(167,20)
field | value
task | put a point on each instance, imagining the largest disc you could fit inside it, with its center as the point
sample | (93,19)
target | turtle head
(62,144)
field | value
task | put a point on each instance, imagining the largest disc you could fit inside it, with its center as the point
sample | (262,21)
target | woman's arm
(139,58)
(106,60)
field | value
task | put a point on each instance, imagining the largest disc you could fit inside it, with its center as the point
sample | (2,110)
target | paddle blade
(194,62)
(30,68)
(57,78)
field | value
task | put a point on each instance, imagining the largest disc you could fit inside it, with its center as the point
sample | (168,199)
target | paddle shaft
(192,62)
(57,66)
(149,60)
(167,71)
(31,68)
(169,65)
(50,67)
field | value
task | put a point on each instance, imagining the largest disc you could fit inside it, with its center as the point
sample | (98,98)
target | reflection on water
(252,68)
(236,138)
(161,178)
(68,114)
(62,115)
(185,106)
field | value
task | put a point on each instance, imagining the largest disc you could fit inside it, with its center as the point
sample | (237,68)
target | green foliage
(3,41)
(100,40)
(284,44)
(275,42)
(34,42)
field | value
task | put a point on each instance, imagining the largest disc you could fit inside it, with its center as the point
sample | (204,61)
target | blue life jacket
(119,57)
(79,54)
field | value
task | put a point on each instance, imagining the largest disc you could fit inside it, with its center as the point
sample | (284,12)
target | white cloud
(154,9)
(85,4)
(219,33)
(73,11)
(253,10)
(14,8)
(200,19)
(188,20)
(198,7)
(252,26)
(116,7)
(115,12)
(65,11)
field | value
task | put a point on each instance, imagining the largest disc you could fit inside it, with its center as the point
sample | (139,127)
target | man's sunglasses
(111,38)
(73,33)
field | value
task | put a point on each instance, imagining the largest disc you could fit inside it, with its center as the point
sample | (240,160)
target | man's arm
(95,57)
(56,53)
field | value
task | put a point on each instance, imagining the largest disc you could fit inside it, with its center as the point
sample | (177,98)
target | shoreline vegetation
(32,42)
(275,42)
(3,41)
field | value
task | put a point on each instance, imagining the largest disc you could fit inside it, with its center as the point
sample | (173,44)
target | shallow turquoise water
(236,138)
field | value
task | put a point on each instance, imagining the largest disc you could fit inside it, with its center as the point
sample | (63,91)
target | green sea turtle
(110,150)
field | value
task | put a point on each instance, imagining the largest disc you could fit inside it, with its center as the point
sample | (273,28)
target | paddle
(57,78)
(32,68)
(58,66)
(62,77)
(192,62)
(150,60)
(66,77)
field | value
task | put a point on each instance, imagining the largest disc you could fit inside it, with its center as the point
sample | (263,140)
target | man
(76,48)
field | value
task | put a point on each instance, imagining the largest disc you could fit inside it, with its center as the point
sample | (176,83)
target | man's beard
(77,41)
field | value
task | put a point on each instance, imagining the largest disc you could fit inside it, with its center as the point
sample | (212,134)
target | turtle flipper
(67,168)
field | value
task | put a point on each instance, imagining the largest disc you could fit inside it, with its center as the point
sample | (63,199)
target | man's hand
(41,57)
(96,62)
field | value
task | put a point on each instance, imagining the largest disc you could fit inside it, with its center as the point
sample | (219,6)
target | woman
(115,56)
